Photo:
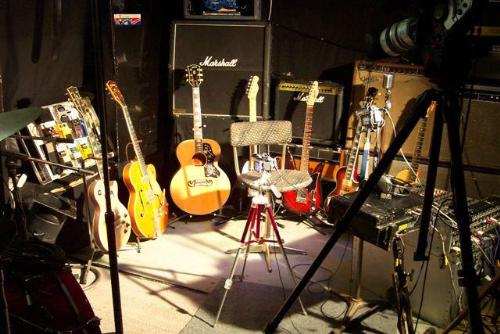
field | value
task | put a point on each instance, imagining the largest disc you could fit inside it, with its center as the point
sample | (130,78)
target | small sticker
(127,19)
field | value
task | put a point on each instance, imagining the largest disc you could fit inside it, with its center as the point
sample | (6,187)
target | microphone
(388,80)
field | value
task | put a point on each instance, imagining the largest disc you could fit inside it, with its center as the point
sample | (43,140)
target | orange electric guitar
(199,187)
(147,205)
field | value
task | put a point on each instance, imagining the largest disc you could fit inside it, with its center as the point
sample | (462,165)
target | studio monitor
(229,54)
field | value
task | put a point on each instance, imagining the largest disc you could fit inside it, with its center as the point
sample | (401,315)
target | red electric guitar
(306,200)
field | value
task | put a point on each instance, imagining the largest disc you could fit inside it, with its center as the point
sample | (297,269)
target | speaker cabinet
(290,105)
(480,125)
(229,53)
(409,83)
(482,121)
(138,78)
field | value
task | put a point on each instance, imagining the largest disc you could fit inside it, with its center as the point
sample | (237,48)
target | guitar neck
(418,148)
(252,107)
(135,141)
(352,152)
(306,141)
(85,113)
(197,120)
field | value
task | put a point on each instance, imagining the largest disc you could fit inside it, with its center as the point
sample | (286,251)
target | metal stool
(268,179)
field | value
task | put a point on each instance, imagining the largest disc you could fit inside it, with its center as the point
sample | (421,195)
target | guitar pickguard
(210,169)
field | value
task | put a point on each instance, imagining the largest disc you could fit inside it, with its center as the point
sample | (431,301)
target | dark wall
(311,39)
(41,73)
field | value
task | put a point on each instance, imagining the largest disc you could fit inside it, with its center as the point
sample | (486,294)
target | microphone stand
(98,13)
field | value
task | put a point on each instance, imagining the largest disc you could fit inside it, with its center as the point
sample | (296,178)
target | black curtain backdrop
(316,39)
(41,79)
(313,36)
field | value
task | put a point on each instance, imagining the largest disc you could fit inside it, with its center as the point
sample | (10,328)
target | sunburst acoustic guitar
(96,188)
(147,204)
(200,186)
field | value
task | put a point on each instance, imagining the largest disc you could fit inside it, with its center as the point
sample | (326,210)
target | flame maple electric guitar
(306,200)
(147,205)
(410,175)
(346,181)
(200,186)
(96,188)
(252,90)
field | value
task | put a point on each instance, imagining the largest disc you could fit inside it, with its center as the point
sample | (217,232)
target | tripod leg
(278,237)
(430,184)
(470,280)
(420,109)
(248,230)
(228,284)
(247,249)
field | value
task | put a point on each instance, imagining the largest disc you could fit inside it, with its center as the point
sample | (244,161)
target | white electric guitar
(96,188)
(252,90)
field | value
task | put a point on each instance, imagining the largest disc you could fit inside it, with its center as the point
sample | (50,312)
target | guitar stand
(251,236)
(354,304)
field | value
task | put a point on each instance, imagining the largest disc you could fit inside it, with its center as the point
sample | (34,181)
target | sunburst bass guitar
(147,204)
(200,186)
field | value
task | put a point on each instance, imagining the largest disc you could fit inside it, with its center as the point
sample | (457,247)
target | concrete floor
(174,275)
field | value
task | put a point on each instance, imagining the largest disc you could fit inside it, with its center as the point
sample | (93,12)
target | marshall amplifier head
(290,105)
(229,54)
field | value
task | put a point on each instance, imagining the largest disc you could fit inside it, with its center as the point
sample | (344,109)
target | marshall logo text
(303,97)
(210,62)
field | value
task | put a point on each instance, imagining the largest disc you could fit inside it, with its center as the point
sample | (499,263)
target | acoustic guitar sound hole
(199,159)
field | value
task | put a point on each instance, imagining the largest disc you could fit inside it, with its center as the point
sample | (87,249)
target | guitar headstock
(253,87)
(115,93)
(313,94)
(75,98)
(72,93)
(431,108)
(194,75)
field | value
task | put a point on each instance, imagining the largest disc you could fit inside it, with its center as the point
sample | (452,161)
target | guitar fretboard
(353,153)
(418,148)
(197,121)
(252,106)
(306,141)
(135,141)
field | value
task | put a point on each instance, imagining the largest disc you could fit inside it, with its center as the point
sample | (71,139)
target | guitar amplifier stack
(229,53)
(290,105)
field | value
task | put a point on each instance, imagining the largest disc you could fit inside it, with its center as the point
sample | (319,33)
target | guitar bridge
(301,196)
